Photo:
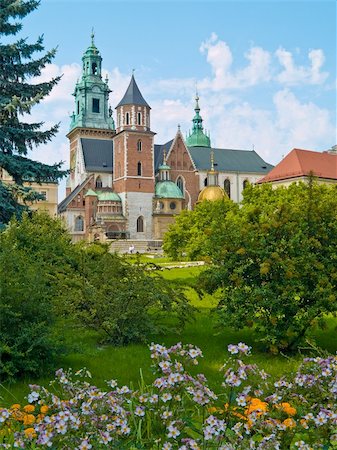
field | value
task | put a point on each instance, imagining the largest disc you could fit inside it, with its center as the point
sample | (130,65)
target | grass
(124,363)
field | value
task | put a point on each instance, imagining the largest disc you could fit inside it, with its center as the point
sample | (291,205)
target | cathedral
(123,185)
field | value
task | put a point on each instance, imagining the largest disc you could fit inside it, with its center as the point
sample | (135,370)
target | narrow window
(139,145)
(94,68)
(95,105)
(44,195)
(79,223)
(78,107)
(127,118)
(245,184)
(139,118)
(180,184)
(99,183)
(139,169)
(227,187)
(140,224)
(205,182)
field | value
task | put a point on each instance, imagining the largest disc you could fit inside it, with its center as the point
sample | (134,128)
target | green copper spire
(92,93)
(197,138)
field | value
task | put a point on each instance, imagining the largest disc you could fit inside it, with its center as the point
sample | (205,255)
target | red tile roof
(301,163)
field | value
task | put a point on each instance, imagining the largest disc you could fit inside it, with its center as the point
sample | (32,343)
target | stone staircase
(123,245)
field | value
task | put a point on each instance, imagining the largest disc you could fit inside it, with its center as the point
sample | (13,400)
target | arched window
(245,184)
(99,183)
(140,224)
(79,223)
(180,184)
(127,118)
(205,181)
(139,145)
(227,187)
(139,169)
(94,68)
(139,118)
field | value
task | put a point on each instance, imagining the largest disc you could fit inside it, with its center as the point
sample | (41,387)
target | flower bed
(179,410)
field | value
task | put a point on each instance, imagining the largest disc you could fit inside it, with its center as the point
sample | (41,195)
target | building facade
(124,185)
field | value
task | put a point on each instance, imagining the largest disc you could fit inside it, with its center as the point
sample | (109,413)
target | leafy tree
(17,97)
(35,256)
(276,266)
(125,302)
(191,234)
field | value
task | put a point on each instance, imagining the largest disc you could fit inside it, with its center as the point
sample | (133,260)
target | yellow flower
(44,409)
(289,423)
(288,409)
(29,408)
(304,424)
(30,432)
(29,419)
(16,406)
(255,404)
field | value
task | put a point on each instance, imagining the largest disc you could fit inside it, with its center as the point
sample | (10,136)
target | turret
(92,94)
(133,112)
(197,138)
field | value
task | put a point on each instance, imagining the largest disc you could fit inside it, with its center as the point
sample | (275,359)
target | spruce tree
(18,65)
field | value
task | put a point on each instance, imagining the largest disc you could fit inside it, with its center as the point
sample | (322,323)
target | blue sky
(266,71)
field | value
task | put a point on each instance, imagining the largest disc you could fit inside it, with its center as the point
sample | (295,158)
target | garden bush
(178,410)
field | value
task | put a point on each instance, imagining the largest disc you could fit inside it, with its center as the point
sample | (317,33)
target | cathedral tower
(133,163)
(92,117)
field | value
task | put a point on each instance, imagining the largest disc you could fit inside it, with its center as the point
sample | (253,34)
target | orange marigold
(16,406)
(289,423)
(29,408)
(255,404)
(30,432)
(44,409)
(29,419)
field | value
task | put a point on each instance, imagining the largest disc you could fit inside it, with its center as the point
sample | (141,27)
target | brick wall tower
(133,163)
(92,117)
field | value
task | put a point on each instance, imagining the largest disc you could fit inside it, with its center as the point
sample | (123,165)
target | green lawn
(123,363)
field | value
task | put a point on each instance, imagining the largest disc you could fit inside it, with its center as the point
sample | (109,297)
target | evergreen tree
(17,97)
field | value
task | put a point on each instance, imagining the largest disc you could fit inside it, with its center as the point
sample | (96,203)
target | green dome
(168,189)
(91,192)
(164,167)
(109,196)
(198,139)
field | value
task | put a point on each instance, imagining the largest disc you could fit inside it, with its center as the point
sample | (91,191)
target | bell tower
(92,94)
(92,116)
(133,163)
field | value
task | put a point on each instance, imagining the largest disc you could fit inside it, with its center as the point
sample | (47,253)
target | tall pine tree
(17,97)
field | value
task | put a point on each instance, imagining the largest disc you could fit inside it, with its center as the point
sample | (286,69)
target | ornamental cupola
(212,191)
(133,112)
(197,137)
(165,188)
(92,94)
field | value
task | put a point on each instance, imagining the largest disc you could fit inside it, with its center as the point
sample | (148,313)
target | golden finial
(212,160)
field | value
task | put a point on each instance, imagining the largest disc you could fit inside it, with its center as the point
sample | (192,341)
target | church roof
(159,153)
(167,189)
(228,160)
(97,154)
(65,202)
(300,163)
(133,95)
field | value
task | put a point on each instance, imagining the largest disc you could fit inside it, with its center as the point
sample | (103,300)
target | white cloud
(294,75)
(304,124)
(220,58)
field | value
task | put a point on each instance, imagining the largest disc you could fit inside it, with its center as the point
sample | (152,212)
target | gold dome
(212,193)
